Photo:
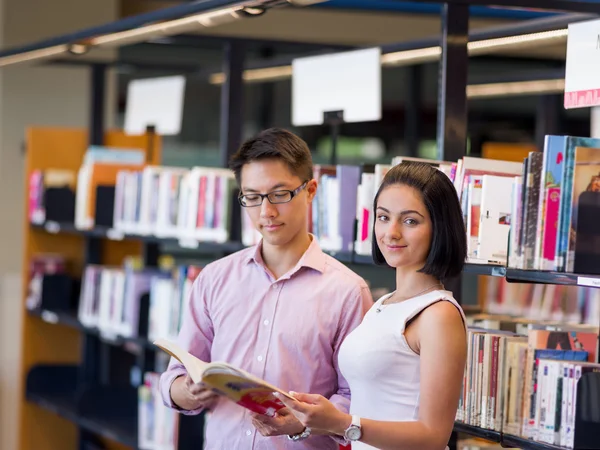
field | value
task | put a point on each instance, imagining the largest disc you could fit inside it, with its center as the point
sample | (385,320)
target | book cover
(586,178)
(228,381)
(566,194)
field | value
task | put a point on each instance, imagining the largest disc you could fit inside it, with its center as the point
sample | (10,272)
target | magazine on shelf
(228,381)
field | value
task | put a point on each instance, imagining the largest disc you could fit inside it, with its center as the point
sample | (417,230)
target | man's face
(279,223)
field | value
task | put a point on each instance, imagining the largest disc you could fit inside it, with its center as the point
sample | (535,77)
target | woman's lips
(395,248)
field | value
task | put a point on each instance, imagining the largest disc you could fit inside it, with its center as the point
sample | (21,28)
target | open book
(231,382)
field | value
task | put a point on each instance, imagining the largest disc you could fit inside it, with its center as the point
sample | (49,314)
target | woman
(405,362)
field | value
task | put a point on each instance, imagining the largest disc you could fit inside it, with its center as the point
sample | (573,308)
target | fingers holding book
(282,423)
(316,412)
(191,396)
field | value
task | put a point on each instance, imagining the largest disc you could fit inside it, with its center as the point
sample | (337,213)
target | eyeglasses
(275,197)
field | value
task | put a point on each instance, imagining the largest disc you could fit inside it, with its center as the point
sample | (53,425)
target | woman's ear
(311,189)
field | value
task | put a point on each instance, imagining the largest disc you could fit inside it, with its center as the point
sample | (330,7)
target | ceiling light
(171,27)
(416,56)
(519,41)
(268,73)
(516,88)
(78,49)
(40,54)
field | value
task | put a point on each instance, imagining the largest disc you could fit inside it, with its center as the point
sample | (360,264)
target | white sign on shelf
(348,81)
(582,84)
(155,102)
(588,281)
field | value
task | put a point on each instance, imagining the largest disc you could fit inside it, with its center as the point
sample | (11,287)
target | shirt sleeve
(352,315)
(195,336)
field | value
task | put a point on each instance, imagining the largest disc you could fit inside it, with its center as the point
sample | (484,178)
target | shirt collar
(313,257)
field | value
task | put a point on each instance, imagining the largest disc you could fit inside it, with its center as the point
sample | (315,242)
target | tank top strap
(420,303)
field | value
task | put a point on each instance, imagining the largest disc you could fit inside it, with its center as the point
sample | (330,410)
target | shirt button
(260,358)
(248,432)
(274,286)
(266,322)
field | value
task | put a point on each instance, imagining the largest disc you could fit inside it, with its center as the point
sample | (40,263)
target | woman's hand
(316,412)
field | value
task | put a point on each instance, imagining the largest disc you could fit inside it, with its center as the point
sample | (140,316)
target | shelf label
(109,336)
(38,217)
(115,235)
(52,227)
(189,243)
(588,281)
(49,317)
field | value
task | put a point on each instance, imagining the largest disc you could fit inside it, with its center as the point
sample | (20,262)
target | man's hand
(190,396)
(284,423)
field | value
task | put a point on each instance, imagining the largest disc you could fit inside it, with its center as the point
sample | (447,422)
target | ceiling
(357,26)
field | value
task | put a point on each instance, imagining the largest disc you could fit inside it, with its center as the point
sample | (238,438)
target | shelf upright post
(91,368)
(452,103)
(232,118)
(547,118)
(412,109)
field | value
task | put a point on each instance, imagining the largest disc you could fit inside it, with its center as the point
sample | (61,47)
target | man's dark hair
(449,238)
(275,143)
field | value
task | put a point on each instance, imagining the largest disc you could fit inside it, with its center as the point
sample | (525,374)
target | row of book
(124,301)
(522,378)
(118,189)
(555,201)
(545,224)
(560,303)
(111,299)
(158,426)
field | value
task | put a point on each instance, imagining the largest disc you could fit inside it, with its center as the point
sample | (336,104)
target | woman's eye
(382,218)
(411,222)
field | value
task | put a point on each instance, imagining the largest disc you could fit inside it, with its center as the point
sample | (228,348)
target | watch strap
(300,436)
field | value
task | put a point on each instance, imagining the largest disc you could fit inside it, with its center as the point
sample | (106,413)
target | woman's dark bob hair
(449,238)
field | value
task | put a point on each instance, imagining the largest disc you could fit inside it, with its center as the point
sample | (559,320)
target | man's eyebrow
(273,188)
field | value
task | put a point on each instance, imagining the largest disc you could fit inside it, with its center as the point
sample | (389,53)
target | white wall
(32,96)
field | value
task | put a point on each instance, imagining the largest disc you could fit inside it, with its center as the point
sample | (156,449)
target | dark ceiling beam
(577,6)
(200,40)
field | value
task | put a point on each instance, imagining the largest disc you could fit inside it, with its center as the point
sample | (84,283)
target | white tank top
(381,369)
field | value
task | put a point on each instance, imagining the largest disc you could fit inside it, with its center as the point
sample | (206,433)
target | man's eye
(280,194)
(251,198)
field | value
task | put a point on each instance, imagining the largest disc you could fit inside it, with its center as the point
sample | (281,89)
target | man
(279,310)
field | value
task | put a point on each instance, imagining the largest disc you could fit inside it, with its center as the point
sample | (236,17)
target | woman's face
(403,227)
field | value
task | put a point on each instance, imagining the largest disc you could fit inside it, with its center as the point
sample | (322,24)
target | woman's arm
(443,353)
(443,350)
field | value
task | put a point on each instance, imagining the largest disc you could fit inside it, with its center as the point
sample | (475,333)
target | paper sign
(348,81)
(582,84)
(155,102)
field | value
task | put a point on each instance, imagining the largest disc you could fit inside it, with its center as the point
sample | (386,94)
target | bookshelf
(494,270)
(59,365)
(59,352)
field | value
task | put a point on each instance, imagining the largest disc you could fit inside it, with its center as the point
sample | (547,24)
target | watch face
(353,434)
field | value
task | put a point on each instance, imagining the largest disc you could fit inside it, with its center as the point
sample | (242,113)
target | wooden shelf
(506,440)
(494,270)
(70,319)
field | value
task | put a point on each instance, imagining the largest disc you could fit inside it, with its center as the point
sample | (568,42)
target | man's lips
(272,226)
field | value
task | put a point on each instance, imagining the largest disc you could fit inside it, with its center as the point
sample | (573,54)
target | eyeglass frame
(293,193)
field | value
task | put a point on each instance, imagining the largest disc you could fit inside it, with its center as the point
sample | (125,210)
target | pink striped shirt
(286,331)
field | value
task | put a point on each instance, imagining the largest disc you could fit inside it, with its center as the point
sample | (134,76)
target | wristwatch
(300,436)
(353,432)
